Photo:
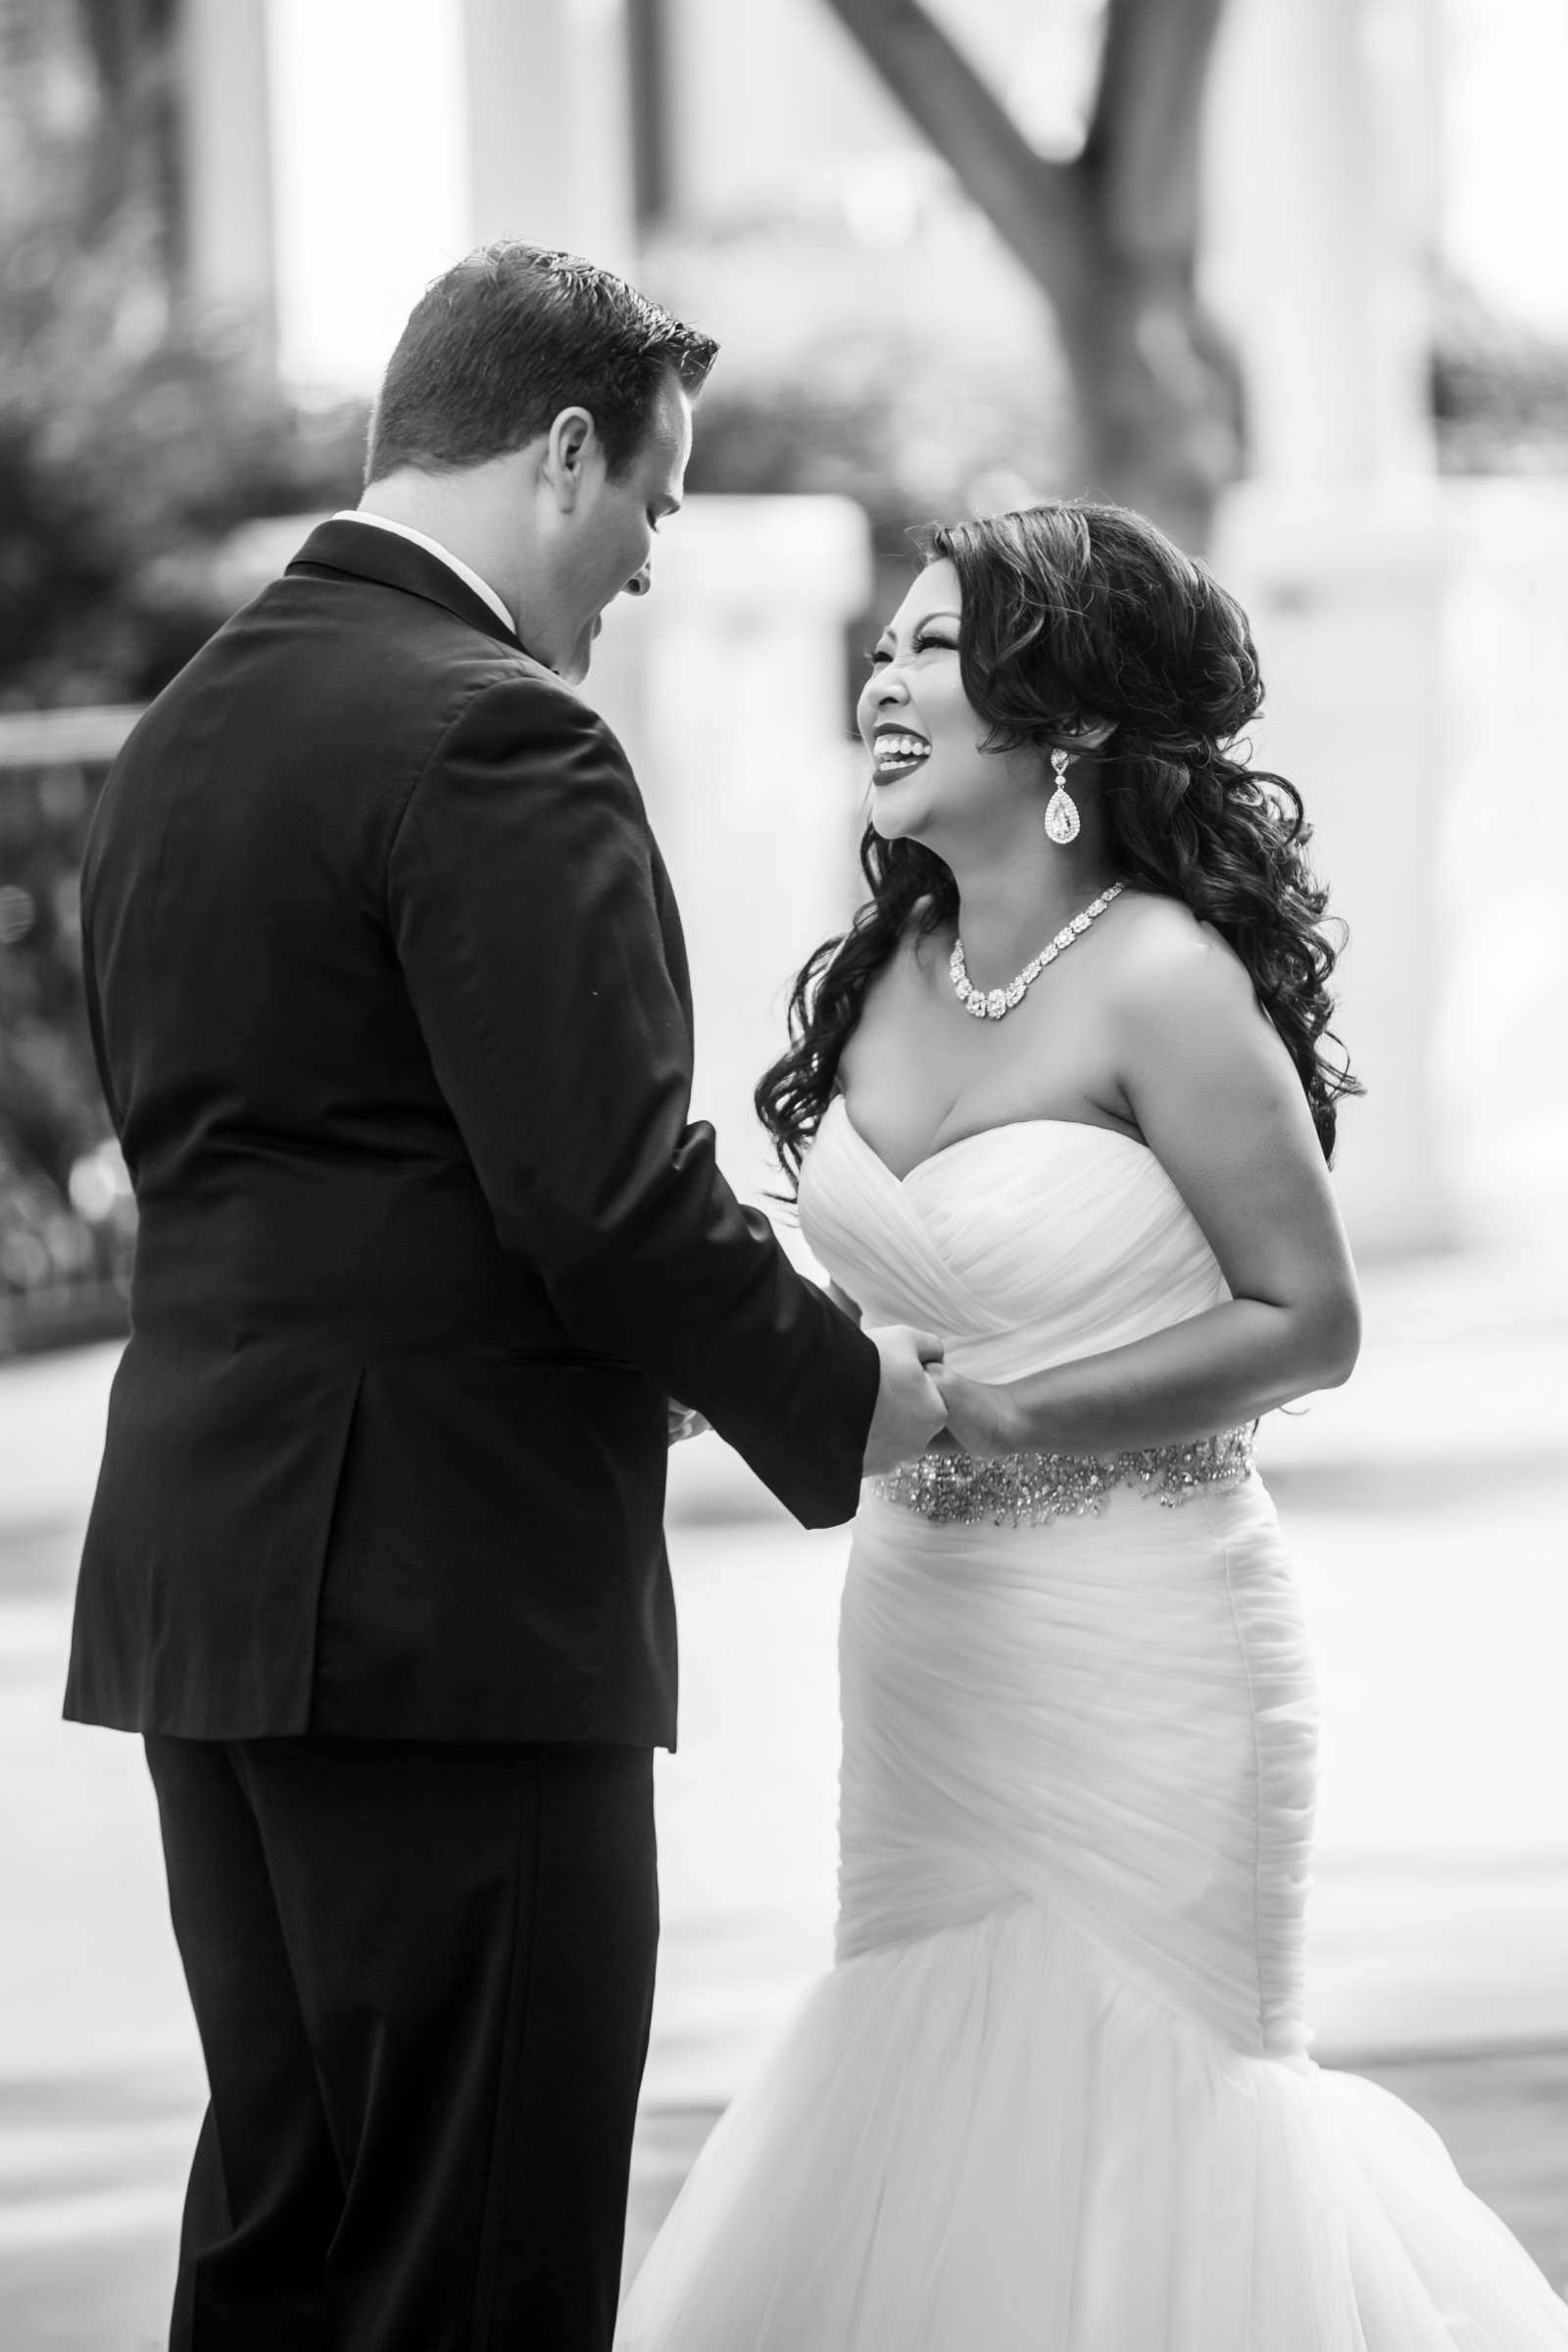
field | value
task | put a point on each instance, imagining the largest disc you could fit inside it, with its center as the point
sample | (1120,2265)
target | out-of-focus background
(1292,279)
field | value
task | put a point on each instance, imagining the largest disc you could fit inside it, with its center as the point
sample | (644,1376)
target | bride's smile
(913,717)
(897,751)
(936,775)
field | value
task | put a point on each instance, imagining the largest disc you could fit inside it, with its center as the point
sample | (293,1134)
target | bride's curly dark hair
(1071,607)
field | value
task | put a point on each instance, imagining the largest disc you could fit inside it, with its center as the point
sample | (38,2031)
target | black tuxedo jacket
(390,1005)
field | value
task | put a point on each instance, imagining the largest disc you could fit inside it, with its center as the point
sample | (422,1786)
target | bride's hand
(981,1417)
(684,1422)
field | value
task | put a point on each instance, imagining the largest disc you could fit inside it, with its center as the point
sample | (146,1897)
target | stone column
(548,129)
(1319,178)
(228,165)
(755,788)
(549,126)
(1320,208)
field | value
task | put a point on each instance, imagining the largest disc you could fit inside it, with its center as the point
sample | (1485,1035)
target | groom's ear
(570,445)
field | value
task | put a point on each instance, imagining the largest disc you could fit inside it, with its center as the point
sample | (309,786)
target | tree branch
(1110,239)
(1141,150)
(1036,207)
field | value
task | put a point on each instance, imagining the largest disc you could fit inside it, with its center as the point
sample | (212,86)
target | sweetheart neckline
(978,1135)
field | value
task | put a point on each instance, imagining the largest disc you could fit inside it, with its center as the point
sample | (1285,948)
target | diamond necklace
(994,1003)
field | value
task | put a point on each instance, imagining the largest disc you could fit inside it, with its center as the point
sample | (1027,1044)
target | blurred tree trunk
(1110,238)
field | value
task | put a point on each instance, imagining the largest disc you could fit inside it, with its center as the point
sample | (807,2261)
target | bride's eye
(877,655)
(935,644)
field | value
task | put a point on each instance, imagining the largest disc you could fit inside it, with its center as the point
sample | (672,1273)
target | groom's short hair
(498,345)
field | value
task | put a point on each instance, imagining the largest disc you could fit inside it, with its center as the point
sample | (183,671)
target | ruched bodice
(1055,2095)
(1024,1245)
(1115,1718)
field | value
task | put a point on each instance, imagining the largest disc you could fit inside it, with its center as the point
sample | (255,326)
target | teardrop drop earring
(1061,810)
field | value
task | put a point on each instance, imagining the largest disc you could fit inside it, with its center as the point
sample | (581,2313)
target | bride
(1061,1096)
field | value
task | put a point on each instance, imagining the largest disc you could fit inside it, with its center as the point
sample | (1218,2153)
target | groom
(390,1008)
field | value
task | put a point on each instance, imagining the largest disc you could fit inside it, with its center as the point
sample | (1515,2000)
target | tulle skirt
(1056,2095)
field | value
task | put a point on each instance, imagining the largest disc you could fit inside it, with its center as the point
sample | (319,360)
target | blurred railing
(67,1219)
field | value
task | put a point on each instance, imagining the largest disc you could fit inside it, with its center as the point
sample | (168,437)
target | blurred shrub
(66,1215)
(874,418)
(917,434)
(132,440)
(133,437)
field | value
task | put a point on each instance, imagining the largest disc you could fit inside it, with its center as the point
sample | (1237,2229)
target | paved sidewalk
(1427,1503)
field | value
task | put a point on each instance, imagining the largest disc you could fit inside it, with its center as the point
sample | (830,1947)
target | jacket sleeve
(95,1020)
(523,910)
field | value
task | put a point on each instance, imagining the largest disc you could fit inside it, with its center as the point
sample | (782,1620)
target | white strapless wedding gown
(1053,2095)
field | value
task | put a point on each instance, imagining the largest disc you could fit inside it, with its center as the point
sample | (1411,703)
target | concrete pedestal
(726,686)
(1320,177)
(1347,592)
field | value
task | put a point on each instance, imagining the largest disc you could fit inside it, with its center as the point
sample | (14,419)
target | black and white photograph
(783,1128)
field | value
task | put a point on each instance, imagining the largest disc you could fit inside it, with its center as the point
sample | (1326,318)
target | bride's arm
(1215,1095)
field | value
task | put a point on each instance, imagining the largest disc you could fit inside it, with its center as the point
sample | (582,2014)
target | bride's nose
(882,694)
(885,685)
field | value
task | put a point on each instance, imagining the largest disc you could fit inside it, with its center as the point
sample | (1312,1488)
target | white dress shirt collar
(433,547)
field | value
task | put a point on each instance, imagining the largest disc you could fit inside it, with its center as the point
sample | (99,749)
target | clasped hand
(921,1405)
(909,1406)
(981,1418)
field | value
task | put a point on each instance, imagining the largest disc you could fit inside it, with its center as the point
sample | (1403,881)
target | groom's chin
(578,661)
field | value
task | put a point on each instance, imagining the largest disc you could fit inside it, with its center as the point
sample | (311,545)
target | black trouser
(423,1976)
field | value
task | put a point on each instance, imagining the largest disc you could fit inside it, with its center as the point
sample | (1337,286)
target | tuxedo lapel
(393,561)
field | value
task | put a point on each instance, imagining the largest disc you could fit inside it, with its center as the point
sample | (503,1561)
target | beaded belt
(1029,1489)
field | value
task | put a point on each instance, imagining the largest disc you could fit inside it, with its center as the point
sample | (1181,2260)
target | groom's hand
(909,1410)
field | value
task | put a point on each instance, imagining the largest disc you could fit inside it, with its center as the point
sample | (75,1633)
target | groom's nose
(640,581)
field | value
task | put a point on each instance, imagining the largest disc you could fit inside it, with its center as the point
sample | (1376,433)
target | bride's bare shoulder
(1168,962)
